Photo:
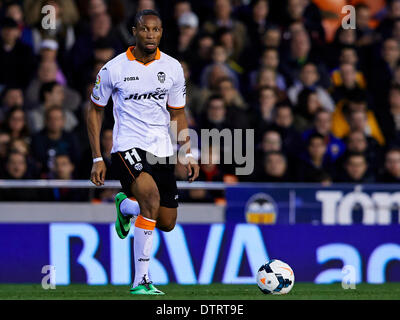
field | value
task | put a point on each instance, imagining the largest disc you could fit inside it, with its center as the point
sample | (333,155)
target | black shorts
(129,164)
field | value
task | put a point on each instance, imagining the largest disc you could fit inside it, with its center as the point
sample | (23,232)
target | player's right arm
(99,98)
(94,121)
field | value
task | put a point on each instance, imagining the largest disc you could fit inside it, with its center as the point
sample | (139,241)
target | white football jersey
(141,94)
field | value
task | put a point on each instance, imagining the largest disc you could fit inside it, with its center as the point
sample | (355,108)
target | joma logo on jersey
(151,95)
(131,78)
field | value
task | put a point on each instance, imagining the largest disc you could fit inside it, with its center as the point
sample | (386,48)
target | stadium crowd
(323,111)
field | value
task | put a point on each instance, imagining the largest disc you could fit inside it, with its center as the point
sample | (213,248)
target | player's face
(148,33)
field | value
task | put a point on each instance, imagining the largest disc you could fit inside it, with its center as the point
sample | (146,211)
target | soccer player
(148,90)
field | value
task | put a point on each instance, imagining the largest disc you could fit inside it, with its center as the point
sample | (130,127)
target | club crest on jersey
(161,76)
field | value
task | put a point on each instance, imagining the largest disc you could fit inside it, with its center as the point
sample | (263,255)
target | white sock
(129,207)
(142,244)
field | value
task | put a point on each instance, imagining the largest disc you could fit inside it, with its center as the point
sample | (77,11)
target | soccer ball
(275,277)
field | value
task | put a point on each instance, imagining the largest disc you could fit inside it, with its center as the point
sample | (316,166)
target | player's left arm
(178,115)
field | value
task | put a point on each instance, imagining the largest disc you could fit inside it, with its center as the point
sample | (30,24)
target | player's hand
(192,169)
(98,173)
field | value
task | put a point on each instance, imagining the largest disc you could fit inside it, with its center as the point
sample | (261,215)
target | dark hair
(359,6)
(284,104)
(8,23)
(25,130)
(214,96)
(147,12)
(8,89)
(226,79)
(313,136)
(51,109)
(278,153)
(302,102)
(45,88)
(12,152)
(355,154)
(319,111)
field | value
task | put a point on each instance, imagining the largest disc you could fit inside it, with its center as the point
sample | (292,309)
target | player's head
(147,30)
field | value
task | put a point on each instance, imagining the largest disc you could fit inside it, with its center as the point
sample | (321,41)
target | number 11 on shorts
(130,154)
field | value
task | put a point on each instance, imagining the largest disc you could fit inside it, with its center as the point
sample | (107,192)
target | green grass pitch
(306,291)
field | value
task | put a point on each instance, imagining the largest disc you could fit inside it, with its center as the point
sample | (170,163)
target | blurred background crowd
(324,101)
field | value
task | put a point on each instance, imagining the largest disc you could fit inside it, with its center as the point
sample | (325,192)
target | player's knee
(167,227)
(150,204)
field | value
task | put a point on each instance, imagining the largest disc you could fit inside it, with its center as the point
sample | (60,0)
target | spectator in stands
(64,170)
(220,55)
(47,72)
(214,115)
(271,141)
(267,100)
(17,169)
(272,38)
(364,119)
(309,78)
(170,39)
(66,17)
(298,54)
(231,96)
(389,118)
(213,73)
(257,22)
(16,124)
(346,80)
(323,126)
(16,59)
(14,10)
(52,140)
(5,139)
(274,168)
(366,36)
(391,173)
(188,24)
(269,59)
(48,52)
(383,70)
(16,166)
(307,106)
(283,122)
(343,38)
(223,18)
(201,57)
(267,77)
(314,161)
(10,97)
(51,95)
(355,169)
(385,27)
(21,146)
(358,142)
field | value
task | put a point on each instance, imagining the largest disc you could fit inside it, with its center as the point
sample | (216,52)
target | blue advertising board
(337,204)
(199,254)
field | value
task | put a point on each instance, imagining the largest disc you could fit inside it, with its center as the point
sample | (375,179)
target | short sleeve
(177,93)
(102,88)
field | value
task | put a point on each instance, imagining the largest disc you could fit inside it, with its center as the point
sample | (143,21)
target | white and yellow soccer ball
(275,277)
